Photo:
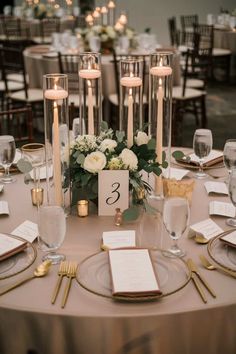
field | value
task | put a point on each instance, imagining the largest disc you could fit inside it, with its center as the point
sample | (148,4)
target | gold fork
(63,268)
(71,273)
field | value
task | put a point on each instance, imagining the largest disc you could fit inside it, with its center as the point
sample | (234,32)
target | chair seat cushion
(194,83)
(218,52)
(34,95)
(190,93)
(12,86)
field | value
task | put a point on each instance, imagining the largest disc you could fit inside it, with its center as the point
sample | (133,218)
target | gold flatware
(200,239)
(63,268)
(200,277)
(39,272)
(71,273)
(208,265)
(195,282)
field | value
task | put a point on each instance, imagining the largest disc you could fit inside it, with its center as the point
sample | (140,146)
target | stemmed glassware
(202,145)
(35,154)
(229,154)
(232,194)
(52,230)
(176,219)
(7,155)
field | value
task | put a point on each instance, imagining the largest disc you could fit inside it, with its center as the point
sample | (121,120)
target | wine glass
(52,230)
(35,154)
(7,155)
(202,145)
(176,219)
(232,194)
(229,154)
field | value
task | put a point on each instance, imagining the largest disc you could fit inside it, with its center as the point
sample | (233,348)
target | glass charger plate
(93,274)
(18,262)
(221,253)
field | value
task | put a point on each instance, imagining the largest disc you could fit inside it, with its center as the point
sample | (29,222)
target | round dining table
(89,323)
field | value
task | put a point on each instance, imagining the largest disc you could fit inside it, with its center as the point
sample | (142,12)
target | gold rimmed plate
(221,253)
(93,274)
(19,262)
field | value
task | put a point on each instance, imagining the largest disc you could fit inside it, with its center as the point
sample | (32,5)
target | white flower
(141,138)
(86,142)
(104,37)
(110,32)
(94,162)
(108,144)
(129,159)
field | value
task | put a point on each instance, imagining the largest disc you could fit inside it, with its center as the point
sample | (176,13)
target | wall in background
(154,13)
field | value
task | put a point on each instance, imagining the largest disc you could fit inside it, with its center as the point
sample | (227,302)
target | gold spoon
(200,239)
(208,265)
(39,272)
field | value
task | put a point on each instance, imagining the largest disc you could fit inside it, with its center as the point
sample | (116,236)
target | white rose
(129,159)
(104,37)
(94,162)
(141,138)
(108,144)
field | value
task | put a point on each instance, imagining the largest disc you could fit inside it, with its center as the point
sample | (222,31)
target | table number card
(113,191)
(132,273)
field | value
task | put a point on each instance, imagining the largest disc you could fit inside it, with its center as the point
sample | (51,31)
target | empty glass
(232,194)
(7,155)
(52,230)
(176,219)
(35,154)
(229,154)
(202,145)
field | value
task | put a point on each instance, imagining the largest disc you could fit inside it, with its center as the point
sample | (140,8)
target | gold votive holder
(118,217)
(37,196)
(174,188)
(82,208)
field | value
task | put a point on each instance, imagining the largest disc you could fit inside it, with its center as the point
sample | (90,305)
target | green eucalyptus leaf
(120,135)
(131,213)
(164,164)
(178,155)
(151,144)
(80,159)
(24,166)
(104,126)
(27,178)
(157,170)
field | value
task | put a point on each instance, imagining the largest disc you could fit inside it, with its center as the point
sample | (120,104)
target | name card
(222,209)
(207,228)
(113,191)
(230,239)
(4,210)
(27,230)
(10,246)
(118,239)
(216,188)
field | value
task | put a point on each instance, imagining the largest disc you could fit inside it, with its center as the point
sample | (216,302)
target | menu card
(118,239)
(222,209)
(4,210)
(175,173)
(213,158)
(27,230)
(132,273)
(10,246)
(230,239)
(207,228)
(216,188)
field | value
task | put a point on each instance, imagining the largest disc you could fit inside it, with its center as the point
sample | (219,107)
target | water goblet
(7,155)
(202,145)
(52,230)
(229,154)
(176,219)
(232,194)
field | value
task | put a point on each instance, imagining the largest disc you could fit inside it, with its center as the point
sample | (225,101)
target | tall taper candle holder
(131,97)
(90,89)
(160,108)
(56,125)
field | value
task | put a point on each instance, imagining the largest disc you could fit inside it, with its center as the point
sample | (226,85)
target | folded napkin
(10,246)
(132,273)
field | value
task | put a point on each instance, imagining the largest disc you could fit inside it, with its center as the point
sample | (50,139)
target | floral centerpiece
(90,154)
(107,34)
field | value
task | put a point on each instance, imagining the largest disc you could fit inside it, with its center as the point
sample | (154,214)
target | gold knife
(197,285)
(194,269)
